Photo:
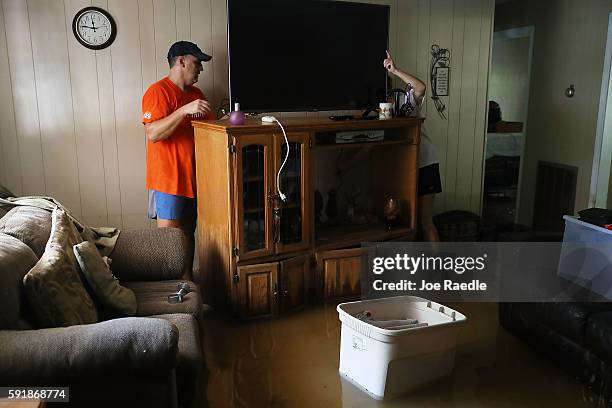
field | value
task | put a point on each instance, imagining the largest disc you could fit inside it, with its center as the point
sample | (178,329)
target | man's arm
(162,129)
(418,85)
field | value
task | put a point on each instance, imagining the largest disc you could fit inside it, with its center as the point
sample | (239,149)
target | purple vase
(237,117)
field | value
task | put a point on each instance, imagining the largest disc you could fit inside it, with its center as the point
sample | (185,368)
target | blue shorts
(172,207)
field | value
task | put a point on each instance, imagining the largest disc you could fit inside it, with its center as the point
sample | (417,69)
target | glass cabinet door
(290,217)
(253,181)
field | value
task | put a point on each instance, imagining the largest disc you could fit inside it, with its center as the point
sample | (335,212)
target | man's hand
(162,129)
(197,109)
(389,64)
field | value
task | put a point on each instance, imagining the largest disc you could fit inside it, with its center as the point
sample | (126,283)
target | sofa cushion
(30,225)
(106,288)
(53,286)
(189,353)
(152,298)
(150,254)
(599,335)
(16,259)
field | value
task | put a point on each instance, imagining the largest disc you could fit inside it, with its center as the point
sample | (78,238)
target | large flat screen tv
(306,55)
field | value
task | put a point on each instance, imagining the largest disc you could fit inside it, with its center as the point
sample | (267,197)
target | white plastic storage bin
(586,256)
(580,231)
(388,363)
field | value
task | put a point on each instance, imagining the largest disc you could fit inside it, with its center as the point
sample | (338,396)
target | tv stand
(256,252)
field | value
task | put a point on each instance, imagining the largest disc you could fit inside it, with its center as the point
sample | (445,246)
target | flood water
(292,361)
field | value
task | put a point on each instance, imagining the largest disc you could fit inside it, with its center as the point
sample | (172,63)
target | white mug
(386,110)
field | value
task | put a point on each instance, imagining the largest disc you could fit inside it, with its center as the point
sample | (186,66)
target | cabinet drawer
(267,289)
(257,290)
(293,283)
(339,274)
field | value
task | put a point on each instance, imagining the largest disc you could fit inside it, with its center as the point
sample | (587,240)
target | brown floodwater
(292,361)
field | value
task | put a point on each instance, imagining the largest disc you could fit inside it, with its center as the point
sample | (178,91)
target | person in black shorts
(429,165)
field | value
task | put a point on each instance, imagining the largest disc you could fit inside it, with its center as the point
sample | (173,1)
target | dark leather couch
(577,336)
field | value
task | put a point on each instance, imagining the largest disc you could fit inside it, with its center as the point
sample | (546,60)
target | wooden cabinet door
(293,283)
(339,274)
(292,227)
(253,186)
(257,290)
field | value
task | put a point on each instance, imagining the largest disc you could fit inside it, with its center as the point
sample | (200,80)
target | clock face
(94,28)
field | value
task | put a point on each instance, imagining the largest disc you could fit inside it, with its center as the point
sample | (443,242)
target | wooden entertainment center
(266,257)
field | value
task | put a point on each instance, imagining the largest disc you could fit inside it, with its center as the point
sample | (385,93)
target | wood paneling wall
(70,117)
(464,27)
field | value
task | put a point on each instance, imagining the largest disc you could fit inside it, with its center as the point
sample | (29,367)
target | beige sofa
(152,359)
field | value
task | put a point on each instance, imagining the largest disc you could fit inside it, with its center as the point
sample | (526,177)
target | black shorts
(429,180)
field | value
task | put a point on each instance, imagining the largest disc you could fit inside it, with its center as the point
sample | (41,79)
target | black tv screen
(306,55)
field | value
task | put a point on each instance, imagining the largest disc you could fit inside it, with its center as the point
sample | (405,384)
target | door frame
(602,154)
(518,32)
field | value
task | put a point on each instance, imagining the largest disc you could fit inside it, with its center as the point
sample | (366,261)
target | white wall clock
(94,28)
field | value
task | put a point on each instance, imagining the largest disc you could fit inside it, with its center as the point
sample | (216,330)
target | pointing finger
(388,55)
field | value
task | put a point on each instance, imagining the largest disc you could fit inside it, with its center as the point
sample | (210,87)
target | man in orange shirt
(167,108)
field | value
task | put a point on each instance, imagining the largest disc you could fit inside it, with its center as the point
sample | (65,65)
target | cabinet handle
(275,293)
(285,293)
(276,220)
(270,197)
(276,215)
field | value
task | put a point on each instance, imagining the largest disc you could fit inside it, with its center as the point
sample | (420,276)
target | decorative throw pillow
(53,286)
(105,286)
(30,225)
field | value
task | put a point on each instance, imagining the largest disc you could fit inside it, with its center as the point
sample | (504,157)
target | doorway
(509,81)
(601,191)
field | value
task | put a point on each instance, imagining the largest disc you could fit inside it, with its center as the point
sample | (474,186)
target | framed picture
(442,81)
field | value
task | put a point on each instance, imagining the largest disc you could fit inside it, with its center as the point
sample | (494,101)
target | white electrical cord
(282,196)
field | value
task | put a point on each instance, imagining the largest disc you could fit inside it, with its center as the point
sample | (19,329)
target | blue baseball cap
(187,48)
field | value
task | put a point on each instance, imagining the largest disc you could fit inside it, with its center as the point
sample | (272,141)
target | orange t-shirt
(171,162)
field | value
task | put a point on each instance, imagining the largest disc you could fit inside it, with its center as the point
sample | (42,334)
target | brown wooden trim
(338,253)
(11,403)
(275,257)
(213,167)
(254,125)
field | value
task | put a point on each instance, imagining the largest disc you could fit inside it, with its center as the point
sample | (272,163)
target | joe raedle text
(446,285)
(411,265)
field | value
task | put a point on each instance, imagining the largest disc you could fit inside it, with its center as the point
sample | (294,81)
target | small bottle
(237,117)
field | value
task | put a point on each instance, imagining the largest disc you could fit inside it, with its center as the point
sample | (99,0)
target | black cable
(440,57)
